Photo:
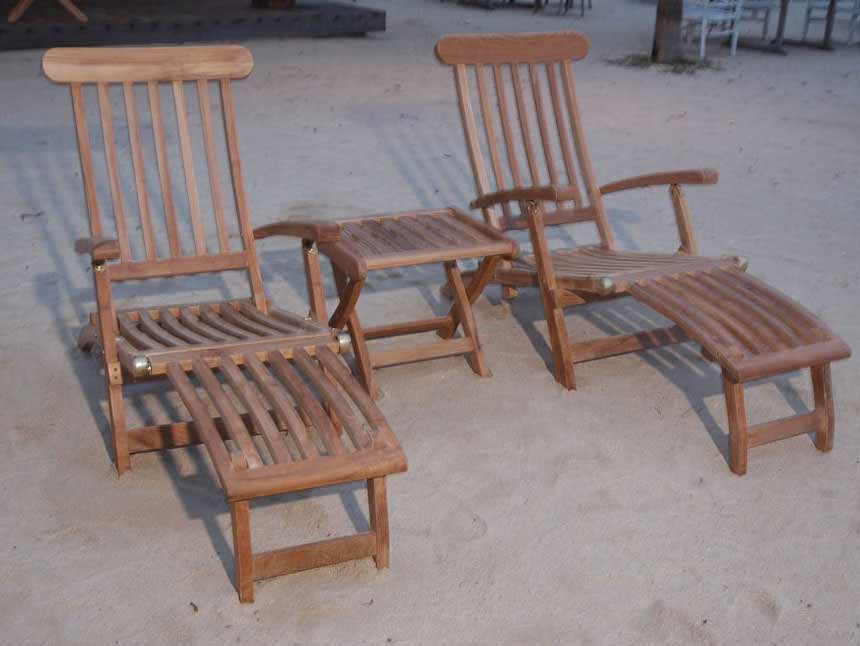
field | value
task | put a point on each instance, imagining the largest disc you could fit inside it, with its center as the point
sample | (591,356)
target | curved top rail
(137,64)
(470,49)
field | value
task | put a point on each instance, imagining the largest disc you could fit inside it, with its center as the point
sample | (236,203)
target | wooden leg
(243,560)
(476,282)
(562,356)
(463,308)
(116,408)
(823,391)
(509,292)
(359,343)
(18,10)
(738,438)
(313,277)
(378,504)
(69,6)
(362,356)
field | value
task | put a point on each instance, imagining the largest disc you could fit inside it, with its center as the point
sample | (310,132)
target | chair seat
(604,271)
(404,239)
(150,338)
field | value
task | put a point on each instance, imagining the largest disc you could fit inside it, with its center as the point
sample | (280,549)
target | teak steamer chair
(750,329)
(280,376)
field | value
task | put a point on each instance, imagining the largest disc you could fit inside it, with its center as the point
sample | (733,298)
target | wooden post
(668,46)
(243,560)
(378,503)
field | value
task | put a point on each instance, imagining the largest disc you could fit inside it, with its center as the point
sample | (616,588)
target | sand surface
(529,515)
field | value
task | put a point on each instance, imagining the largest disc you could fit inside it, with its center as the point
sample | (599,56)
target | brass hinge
(114,373)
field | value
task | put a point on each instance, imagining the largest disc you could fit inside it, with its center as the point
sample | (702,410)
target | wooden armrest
(539,193)
(690,176)
(100,249)
(305,229)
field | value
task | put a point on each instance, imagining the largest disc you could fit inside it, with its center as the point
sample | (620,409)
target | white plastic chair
(759,11)
(715,18)
(816,11)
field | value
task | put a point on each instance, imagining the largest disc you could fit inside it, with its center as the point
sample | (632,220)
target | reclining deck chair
(749,328)
(265,371)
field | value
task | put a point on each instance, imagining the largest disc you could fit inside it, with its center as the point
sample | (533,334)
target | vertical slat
(86,159)
(560,125)
(188,167)
(163,168)
(490,130)
(507,134)
(592,189)
(470,129)
(525,131)
(113,171)
(139,172)
(542,125)
(212,164)
(245,229)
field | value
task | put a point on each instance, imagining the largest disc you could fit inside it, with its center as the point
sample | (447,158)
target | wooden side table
(403,240)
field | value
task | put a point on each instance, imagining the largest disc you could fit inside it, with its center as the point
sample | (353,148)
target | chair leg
(823,391)
(116,408)
(464,313)
(738,438)
(378,505)
(477,282)
(313,277)
(362,356)
(359,344)
(243,559)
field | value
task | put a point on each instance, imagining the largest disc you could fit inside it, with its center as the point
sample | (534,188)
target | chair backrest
(158,249)
(525,91)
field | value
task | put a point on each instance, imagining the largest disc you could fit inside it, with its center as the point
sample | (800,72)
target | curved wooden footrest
(287,425)
(749,328)
(752,331)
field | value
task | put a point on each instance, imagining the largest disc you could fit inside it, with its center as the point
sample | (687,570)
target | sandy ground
(529,515)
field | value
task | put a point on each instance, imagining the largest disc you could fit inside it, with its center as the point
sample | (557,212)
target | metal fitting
(99,266)
(605,286)
(344,342)
(141,367)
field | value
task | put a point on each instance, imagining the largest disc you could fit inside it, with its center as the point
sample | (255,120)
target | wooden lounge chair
(526,107)
(281,368)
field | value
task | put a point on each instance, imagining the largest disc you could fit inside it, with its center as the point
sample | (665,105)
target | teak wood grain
(396,240)
(752,331)
(243,368)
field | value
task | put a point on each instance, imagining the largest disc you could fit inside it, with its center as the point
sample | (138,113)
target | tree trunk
(668,46)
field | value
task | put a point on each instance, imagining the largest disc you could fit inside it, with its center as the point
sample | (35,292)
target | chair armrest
(99,249)
(690,176)
(538,193)
(305,229)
